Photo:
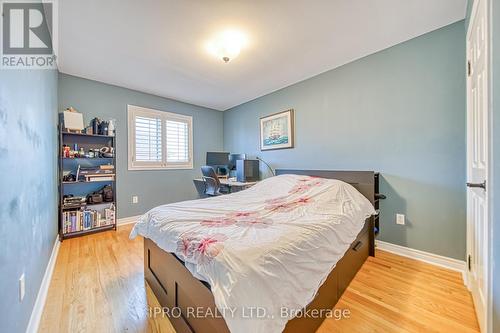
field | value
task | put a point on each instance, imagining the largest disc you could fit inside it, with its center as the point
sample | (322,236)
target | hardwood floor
(98,286)
(395,294)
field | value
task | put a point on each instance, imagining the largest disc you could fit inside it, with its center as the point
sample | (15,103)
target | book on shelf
(86,219)
(109,214)
(102,178)
(99,170)
(107,167)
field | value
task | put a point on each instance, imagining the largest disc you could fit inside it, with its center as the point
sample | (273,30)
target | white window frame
(134,111)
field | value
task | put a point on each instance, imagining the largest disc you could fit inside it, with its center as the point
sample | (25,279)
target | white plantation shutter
(177,141)
(159,140)
(148,139)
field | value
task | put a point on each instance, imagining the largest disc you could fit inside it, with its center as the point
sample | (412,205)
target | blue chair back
(212,183)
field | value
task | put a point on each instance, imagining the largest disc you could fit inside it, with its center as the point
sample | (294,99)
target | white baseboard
(36,314)
(430,258)
(127,220)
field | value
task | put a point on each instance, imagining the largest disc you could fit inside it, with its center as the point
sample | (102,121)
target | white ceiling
(157,46)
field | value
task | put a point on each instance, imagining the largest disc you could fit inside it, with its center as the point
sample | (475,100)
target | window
(159,140)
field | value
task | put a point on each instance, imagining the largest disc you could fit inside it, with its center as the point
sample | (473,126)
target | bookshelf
(82,174)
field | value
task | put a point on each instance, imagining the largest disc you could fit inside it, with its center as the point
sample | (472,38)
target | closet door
(478,227)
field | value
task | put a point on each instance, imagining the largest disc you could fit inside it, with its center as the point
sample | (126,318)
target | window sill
(176,167)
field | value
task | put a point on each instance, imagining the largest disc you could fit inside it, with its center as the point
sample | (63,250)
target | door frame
(489,296)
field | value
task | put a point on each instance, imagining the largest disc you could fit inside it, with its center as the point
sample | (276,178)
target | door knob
(480,185)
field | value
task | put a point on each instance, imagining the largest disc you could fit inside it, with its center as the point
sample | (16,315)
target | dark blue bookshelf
(83,188)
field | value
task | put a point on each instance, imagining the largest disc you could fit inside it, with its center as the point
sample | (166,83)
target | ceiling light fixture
(227,44)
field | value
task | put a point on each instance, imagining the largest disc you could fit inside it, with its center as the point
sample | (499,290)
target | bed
(250,261)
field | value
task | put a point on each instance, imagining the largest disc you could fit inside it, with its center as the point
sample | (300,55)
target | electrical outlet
(135,199)
(22,288)
(400,219)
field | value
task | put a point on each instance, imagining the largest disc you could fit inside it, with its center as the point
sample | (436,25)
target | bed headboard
(363,181)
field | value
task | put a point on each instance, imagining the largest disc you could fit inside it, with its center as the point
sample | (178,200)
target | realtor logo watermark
(27,35)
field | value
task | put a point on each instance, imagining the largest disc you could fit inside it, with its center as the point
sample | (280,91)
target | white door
(477,159)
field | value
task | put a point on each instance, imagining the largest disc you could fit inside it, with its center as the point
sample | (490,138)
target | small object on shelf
(107,193)
(69,178)
(66,151)
(111,127)
(103,128)
(77,177)
(72,120)
(106,152)
(103,195)
(94,198)
(95,125)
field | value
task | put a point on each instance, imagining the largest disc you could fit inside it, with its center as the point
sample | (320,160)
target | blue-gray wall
(400,111)
(95,99)
(468,12)
(28,170)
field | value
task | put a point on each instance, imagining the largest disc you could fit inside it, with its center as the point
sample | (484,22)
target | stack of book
(101,173)
(109,214)
(79,220)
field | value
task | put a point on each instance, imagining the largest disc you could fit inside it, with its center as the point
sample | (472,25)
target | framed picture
(276,131)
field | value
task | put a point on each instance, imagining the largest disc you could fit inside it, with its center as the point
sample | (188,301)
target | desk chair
(212,183)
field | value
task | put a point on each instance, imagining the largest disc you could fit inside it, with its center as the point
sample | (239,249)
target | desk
(231,185)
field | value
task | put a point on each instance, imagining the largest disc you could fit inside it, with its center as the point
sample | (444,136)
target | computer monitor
(233,158)
(247,170)
(217,159)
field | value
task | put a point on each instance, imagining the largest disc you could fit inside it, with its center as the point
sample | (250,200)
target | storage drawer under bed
(352,261)
(174,286)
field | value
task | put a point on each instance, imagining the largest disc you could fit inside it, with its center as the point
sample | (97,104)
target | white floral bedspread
(269,247)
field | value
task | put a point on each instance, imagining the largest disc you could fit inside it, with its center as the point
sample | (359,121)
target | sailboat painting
(276,131)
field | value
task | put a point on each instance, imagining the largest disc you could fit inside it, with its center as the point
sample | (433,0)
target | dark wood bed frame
(177,289)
